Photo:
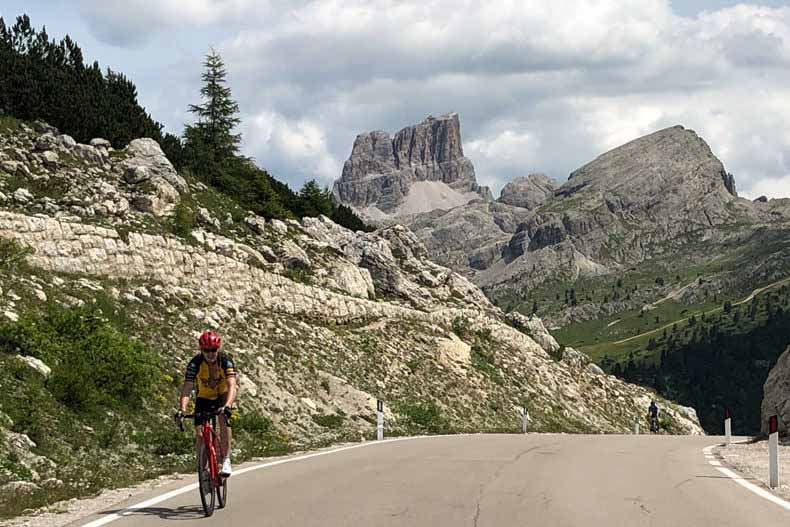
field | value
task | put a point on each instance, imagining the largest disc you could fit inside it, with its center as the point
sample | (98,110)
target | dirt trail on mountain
(715,310)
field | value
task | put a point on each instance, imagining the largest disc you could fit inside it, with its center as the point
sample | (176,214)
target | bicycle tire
(222,493)
(222,488)
(205,484)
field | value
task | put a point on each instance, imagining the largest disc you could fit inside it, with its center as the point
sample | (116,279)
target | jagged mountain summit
(421,169)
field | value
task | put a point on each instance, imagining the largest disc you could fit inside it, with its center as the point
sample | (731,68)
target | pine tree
(217,116)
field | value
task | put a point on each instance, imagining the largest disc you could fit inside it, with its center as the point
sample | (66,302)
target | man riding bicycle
(215,375)
(652,413)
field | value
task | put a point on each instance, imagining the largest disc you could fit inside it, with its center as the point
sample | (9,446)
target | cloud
(134,22)
(296,148)
(771,188)
(544,88)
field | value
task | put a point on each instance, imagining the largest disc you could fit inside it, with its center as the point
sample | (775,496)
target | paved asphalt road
(485,480)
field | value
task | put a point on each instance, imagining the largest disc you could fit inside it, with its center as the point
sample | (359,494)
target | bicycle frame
(210,438)
(213,443)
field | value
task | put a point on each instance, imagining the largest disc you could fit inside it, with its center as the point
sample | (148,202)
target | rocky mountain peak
(421,168)
(528,192)
(653,165)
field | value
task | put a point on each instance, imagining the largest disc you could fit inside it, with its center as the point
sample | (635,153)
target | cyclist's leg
(224,433)
(201,405)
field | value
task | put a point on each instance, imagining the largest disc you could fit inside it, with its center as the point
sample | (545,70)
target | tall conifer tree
(218,113)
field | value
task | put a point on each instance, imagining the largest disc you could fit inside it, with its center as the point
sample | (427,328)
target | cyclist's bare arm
(231,391)
(186,394)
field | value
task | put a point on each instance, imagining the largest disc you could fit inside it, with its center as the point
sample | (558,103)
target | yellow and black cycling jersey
(208,384)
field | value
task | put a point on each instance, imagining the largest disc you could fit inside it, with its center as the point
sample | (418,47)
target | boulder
(159,199)
(775,399)
(279,227)
(23,196)
(96,156)
(528,192)
(36,365)
(46,142)
(256,223)
(100,143)
(45,128)
(293,255)
(9,166)
(50,159)
(204,217)
(136,174)
(147,153)
(66,141)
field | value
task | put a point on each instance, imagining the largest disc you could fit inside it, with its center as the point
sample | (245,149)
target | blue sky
(544,88)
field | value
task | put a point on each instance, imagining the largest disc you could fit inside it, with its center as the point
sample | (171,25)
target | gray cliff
(381,170)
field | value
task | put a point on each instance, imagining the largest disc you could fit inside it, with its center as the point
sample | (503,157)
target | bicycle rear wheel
(205,485)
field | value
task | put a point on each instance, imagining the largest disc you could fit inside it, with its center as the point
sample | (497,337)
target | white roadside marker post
(379,420)
(524,420)
(727,427)
(636,426)
(773,452)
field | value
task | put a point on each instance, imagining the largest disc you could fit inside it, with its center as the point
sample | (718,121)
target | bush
(12,254)
(333,421)
(93,362)
(422,416)
(184,219)
(252,423)
(461,327)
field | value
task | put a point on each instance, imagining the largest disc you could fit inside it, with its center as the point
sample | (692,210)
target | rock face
(775,400)
(382,172)
(528,192)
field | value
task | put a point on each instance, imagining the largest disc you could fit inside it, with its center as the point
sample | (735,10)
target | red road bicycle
(211,483)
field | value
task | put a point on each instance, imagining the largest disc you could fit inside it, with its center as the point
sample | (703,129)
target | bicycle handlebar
(205,415)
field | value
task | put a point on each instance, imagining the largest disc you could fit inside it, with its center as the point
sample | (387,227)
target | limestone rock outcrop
(528,192)
(775,395)
(379,177)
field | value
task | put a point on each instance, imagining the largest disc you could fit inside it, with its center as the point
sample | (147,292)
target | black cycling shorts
(208,405)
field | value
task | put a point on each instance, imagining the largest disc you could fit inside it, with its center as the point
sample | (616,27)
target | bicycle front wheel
(205,485)
(222,493)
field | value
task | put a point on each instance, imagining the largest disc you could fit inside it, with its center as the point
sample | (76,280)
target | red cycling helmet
(209,340)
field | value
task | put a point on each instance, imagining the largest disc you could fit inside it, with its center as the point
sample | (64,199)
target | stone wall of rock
(79,248)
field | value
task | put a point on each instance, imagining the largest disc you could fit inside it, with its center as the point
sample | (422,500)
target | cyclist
(652,413)
(215,376)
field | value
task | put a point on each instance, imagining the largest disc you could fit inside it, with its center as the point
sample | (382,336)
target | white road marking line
(192,486)
(746,484)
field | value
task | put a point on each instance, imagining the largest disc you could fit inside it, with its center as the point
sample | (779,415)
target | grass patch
(333,421)
(421,417)
(13,255)
(94,364)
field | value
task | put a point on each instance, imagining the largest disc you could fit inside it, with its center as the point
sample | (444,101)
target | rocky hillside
(113,246)
(421,169)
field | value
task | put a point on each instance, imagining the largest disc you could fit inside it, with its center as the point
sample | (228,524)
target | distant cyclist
(215,376)
(652,413)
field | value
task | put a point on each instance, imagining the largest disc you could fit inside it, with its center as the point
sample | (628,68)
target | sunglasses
(214,350)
